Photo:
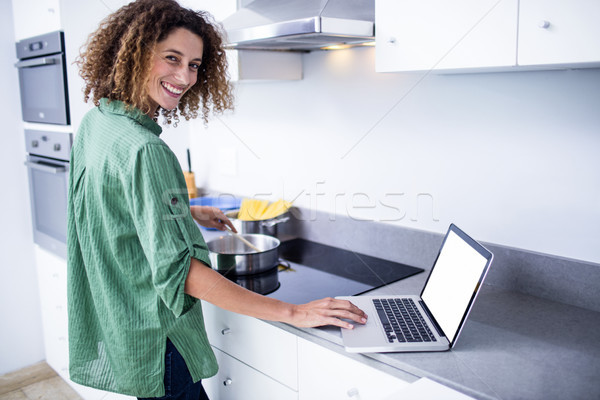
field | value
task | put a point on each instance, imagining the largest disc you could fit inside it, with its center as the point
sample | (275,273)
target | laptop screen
(454,281)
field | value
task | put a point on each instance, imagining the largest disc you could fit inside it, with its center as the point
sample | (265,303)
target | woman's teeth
(172,89)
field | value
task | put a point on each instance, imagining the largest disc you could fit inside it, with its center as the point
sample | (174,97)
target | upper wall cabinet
(415,35)
(486,35)
(557,32)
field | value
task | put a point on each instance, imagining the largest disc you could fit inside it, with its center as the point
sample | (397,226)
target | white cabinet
(52,282)
(236,380)
(260,345)
(486,35)
(326,375)
(413,35)
(35,17)
(259,360)
(559,32)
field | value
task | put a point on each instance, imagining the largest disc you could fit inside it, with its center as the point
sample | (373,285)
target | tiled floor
(38,382)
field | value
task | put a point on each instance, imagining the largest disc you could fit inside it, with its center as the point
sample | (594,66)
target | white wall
(21,334)
(510,157)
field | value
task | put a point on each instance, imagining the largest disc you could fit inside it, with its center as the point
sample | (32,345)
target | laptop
(429,322)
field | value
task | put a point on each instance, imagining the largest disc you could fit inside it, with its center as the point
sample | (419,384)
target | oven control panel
(37,46)
(49,144)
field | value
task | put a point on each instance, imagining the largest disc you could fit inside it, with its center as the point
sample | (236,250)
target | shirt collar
(118,107)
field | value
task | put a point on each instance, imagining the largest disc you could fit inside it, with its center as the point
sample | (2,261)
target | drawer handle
(225,331)
(353,392)
(543,24)
(227,382)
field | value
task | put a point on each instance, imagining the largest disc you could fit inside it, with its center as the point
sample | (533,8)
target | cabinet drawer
(236,380)
(327,375)
(256,343)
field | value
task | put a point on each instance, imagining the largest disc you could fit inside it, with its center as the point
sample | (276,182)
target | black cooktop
(369,270)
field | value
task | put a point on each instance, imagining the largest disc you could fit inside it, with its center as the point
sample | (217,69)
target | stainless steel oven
(48,170)
(43,79)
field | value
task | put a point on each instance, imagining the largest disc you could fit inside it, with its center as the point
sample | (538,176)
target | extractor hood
(301,25)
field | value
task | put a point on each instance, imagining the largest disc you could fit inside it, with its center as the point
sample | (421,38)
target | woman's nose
(183,76)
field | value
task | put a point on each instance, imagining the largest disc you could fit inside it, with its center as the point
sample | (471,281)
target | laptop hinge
(433,321)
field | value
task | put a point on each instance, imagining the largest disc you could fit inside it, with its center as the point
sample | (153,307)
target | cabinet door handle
(227,382)
(543,24)
(225,331)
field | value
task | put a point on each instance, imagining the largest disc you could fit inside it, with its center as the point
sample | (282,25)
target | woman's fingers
(328,311)
(212,217)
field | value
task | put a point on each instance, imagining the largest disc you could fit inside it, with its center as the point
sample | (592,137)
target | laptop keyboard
(402,320)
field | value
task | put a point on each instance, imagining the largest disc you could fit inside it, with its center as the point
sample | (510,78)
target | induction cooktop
(370,272)
(310,271)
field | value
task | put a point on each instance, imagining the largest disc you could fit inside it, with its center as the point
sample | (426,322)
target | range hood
(301,25)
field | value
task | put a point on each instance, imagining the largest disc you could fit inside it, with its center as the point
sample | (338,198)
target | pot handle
(274,221)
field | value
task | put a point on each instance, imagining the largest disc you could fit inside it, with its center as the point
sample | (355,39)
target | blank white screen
(452,283)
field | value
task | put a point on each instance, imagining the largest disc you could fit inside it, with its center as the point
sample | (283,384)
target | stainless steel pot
(265,227)
(227,254)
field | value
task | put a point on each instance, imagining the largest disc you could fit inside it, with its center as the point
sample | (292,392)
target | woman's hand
(211,217)
(327,311)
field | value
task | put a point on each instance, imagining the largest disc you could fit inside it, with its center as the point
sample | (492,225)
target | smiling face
(175,65)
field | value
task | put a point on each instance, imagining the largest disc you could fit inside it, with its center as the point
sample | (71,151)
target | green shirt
(131,238)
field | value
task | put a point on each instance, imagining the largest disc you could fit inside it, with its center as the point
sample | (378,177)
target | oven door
(48,182)
(43,86)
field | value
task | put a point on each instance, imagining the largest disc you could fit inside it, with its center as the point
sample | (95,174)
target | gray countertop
(514,345)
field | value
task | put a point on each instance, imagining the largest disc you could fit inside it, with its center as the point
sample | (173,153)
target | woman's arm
(207,284)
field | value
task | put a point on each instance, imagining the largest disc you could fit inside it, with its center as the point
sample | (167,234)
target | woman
(137,262)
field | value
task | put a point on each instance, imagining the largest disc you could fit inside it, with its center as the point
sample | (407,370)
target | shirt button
(174,201)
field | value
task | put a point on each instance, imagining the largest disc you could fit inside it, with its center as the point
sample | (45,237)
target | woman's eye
(194,66)
(171,58)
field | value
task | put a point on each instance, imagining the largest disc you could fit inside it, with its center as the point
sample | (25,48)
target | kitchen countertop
(513,346)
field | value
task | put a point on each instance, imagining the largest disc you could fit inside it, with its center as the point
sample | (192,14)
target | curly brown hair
(117,59)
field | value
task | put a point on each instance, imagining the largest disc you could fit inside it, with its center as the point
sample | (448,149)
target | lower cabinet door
(236,380)
(326,375)
(52,281)
(256,343)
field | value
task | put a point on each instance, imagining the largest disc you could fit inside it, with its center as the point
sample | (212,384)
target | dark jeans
(178,381)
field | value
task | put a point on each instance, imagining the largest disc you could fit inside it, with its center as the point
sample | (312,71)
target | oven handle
(45,168)
(36,62)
